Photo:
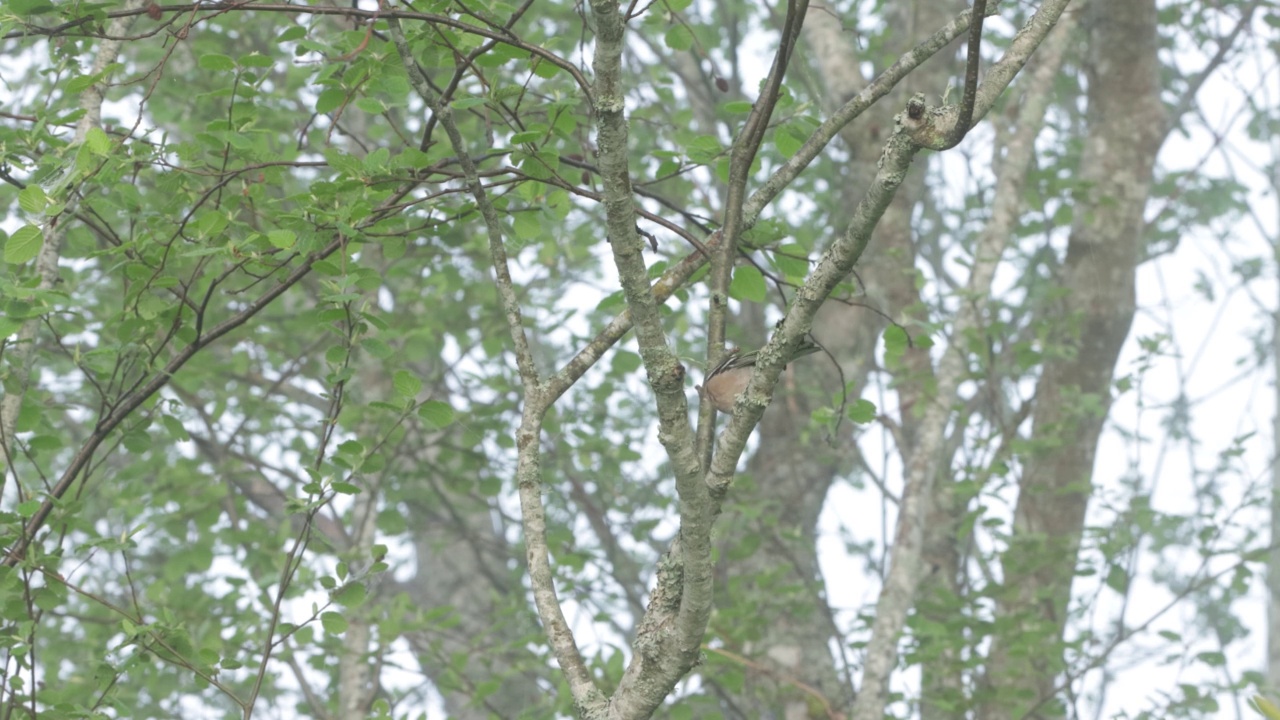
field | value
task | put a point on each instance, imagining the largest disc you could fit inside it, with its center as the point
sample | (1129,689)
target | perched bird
(729,379)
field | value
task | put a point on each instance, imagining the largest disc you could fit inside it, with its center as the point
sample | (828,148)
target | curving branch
(135,9)
(965,121)
(745,148)
(664,652)
(528,466)
(22,354)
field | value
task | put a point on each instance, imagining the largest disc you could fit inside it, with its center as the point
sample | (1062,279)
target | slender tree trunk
(1273,562)
(1126,127)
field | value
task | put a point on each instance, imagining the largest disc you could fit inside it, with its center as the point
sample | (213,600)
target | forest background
(350,351)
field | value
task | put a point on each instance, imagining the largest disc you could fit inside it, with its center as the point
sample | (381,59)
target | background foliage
(261,398)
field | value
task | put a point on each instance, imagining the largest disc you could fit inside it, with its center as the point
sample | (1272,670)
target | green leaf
(704,149)
(376,348)
(895,342)
(137,442)
(175,428)
(330,99)
(1118,579)
(217,63)
(80,83)
(863,411)
(291,33)
(468,102)
(543,69)
(211,223)
(336,355)
(283,239)
(437,413)
(32,199)
(9,326)
(679,37)
(334,623)
(789,139)
(747,284)
(256,60)
(1212,658)
(406,384)
(23,245)
(526,137)
(97,141)
(792,260)
(373,106)
(527,225)
(26,8)
(350,595)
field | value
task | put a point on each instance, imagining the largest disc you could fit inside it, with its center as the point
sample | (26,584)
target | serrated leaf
(406,384)
(373,106)
(330,99)
(256,60)
(792,260)
(97,141)
(351,594)
(679,38)
(80,83)
(175,427)
(747,284)
(25,8)
(293,32)
(136,442)
(863,411)
(544,69)
(527,226)
(9,326)
(283,239)
(32,199)
(211,223)
(334,623)
(895,342)
(23,245)
(438,414)
(217,62)
(786,145)
(703,149)
(376,348)
(526,137)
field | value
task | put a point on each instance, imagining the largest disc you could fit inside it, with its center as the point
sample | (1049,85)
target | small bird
(729,379)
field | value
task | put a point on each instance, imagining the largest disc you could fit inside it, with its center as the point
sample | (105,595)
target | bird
(728,379)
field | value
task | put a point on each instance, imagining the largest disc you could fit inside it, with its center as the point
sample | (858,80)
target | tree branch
(22,355)
(744,153)
(528,466)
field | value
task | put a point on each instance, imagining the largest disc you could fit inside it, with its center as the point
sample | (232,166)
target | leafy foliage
(260,392)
